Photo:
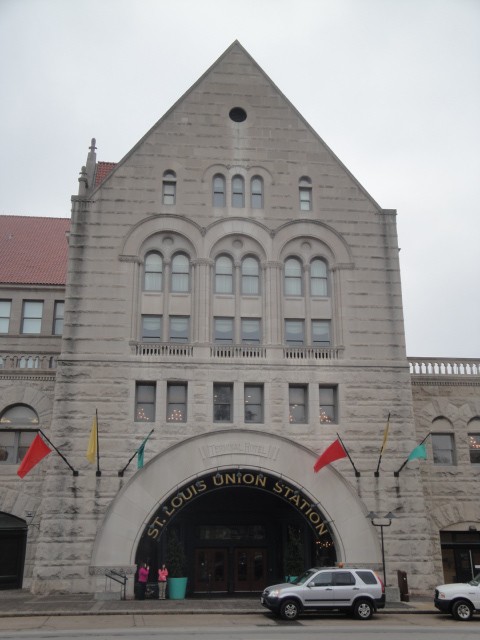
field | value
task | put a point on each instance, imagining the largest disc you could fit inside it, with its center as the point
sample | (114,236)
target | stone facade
(236,124)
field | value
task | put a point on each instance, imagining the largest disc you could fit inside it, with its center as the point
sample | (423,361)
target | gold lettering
(321,529)
(314,518)
(230,478)
(201,485)
(262,481)
(248,478)
(177,501)
(295,499)
(217,480)
(288,491)
(278,487)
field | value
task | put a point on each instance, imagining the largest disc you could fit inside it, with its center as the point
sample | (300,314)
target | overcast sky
(392,86)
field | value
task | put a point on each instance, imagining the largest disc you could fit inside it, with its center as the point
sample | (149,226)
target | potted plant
(176,565)
(294,561)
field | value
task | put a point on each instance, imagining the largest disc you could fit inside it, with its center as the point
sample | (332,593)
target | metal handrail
(121,578)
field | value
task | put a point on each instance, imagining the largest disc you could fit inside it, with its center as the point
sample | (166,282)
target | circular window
(237,114)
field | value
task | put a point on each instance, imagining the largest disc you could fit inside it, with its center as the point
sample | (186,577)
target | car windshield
(306,575)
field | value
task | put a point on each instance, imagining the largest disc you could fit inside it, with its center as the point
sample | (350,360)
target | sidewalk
(18,603)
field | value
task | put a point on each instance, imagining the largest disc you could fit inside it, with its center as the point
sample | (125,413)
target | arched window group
(153,279)
(294,280)
(224,275)
(239,196)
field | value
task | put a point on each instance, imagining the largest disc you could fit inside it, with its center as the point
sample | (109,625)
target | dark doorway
(236,537)
(13,541)
(460,555)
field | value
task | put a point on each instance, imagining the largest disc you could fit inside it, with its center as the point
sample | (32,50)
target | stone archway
(135,507)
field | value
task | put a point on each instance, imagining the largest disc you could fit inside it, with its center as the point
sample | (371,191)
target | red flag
(36,452)
(333,452)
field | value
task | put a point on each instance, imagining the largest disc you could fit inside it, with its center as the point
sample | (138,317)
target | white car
(357,591)
(460,599)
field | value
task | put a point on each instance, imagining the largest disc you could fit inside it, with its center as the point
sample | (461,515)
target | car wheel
(363,609)
(462,610)
(289,610)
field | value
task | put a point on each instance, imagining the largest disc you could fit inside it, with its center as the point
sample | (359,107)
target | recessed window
(295,333)
(58,314)
(180,273)
(237,114)
(251,331)
(256,192)
(5,310)
(179,328)
(253,403)
(250,276)
(218,184)
(297,401)
(321,333)
(474,446)
(293,277)
(32,316)
(223,328)
(223,275)
(305,193)
(145,393)
(176,402)
(222,402)
(153,272)
(238,192)
(151,328)
(318,278)
(18,427)
(169,187)
(443,448)
(327,405)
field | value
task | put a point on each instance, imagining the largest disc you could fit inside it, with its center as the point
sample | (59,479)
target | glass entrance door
(210,570)
(250,569)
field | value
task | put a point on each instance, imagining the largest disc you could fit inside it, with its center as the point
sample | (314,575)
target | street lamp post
(372,516)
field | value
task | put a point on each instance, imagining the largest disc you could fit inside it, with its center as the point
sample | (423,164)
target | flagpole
(397,473)
(75,473)
(122,471)
(357,473)
(377,472)
(98,472)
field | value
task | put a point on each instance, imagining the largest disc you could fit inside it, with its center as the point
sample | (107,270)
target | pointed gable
(33,250)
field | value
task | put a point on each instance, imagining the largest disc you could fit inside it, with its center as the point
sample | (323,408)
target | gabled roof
(102,170)
(33,250)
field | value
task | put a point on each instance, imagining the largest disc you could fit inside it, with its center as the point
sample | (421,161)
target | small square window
(474,446)
(295,333)
(297,400)
(177,402)
(179,328)
(145,393)
(223,330)
(222,402)
(151,328)
(58,315)
(321,333)
(251,331)
(32,316)
(327,405)
(253,401)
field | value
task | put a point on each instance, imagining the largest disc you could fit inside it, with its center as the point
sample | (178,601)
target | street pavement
(18,603)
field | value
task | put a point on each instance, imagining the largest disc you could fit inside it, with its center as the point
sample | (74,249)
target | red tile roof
(33,250)
(102,171)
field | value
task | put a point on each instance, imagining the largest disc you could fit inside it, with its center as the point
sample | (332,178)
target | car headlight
(441,595)
(275,593)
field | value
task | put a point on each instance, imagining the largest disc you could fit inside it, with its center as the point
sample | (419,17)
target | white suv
(357,591)
(460,599)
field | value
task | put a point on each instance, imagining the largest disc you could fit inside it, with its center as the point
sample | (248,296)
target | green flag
(419,453)
(140,452)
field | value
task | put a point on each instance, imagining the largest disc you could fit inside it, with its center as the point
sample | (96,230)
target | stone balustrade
(444,366)
(28,361)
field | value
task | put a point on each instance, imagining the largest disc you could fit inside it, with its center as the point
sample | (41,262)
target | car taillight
(381,582)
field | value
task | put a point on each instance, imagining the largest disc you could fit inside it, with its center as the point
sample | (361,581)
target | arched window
(250,276)
(318,278)
(180,273)
(305,192)
(256,192)
(293,277)
(219,199)
(18,426)
(238,192)
(169,187)
(223,275)
(153,272)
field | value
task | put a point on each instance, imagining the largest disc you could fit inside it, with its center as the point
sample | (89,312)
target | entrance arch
(137,504)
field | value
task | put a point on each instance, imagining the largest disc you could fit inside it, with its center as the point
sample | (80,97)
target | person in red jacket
(162,582)
(143,572)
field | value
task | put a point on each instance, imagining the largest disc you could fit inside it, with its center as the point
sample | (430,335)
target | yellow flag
(92,442)
(385,435)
